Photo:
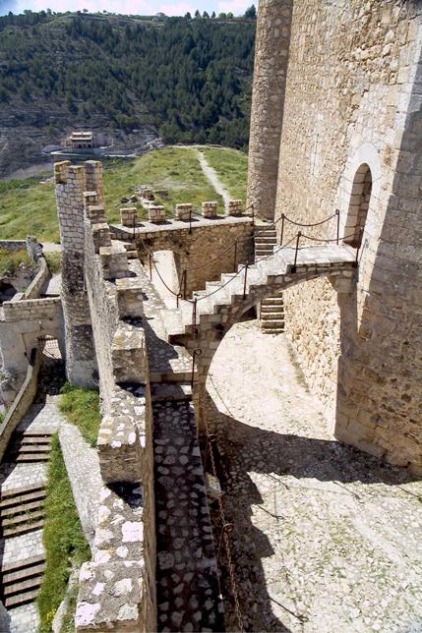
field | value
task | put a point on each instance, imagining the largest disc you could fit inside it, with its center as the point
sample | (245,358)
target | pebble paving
(326,537)
(188,594)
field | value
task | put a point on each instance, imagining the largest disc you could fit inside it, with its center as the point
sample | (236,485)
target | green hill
(185,80)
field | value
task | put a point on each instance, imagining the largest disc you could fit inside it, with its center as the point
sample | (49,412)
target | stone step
(24,517)
(29,449)
(32,458)
(33,438)
(23,574)
(273,331)
(22,585)
(272,323)
(12,498)
(271,309)
(21,565)
(265,239)
(18,530)
(22,598)
(22,507)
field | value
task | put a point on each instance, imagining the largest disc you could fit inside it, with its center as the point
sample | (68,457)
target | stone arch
(366,155)
(358,205)
(213,327)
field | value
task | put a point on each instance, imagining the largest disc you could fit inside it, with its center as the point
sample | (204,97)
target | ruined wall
(351,101)
(206,252)
(273,34)
(81,364)
(22,322)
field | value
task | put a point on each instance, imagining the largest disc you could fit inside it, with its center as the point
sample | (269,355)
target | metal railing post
(150,266)
(235,256)
(196,352)
(338,225)
(184,283)
(194,328)
(358,247)
(282,229)
(299,233)
(244,282)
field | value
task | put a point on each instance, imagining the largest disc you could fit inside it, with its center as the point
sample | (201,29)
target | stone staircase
(224,301)
(271,309)
(23,480)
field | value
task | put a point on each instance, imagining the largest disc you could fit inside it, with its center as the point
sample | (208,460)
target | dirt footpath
(327,539)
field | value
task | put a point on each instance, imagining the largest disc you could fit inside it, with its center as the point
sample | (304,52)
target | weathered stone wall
(22,322)
(270,70)
(43,275)
(353,99)
(206,252)
(22,402)
(81,364)
(124,445)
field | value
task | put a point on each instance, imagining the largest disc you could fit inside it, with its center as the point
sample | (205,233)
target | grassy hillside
(27,207)
(188,79)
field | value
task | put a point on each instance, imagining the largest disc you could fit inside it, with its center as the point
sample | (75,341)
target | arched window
(359,205)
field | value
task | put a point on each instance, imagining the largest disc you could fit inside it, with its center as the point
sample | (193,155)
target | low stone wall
(13,245)
(42,309)
(43,275)
(22,401)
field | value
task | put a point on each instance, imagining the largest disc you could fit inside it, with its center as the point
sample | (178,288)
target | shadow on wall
(240,450)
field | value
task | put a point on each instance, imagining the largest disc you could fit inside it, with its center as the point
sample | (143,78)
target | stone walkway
(326,538)
(187,580)
(213,179)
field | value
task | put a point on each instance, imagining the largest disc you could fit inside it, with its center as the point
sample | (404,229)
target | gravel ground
(326,538)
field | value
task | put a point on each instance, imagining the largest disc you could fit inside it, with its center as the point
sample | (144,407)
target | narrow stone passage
(188,594)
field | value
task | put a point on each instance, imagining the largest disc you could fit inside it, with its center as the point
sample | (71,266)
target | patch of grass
(64,541)
(28,209)
(53,260)
(11,260)
(231,167)
(81,407)
(173,170)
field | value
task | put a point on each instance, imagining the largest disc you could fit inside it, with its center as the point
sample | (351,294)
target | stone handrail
(35,287)
(22,402)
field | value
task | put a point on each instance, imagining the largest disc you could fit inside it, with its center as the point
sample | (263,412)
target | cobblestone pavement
(187,582)
(326,538)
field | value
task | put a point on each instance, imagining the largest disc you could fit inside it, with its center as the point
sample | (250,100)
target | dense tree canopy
(190,78)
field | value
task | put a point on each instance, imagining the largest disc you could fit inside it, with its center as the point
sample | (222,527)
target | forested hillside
(186,80)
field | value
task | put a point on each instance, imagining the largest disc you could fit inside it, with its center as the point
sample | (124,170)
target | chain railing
(298,239)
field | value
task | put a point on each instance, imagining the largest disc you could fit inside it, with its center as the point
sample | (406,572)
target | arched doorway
(358,205)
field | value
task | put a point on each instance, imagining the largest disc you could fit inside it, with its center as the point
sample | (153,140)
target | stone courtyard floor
(326,539)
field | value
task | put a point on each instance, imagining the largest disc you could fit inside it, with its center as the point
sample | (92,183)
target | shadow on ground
(241,449)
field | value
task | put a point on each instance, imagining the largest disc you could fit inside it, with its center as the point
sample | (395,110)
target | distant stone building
(79,140)
(337,124)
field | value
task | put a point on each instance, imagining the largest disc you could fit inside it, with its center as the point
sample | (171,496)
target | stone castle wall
(352,107)
(206,252)
(273,34)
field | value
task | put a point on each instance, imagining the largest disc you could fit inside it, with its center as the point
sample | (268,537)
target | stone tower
(81,366)
(273,34)
(351,139)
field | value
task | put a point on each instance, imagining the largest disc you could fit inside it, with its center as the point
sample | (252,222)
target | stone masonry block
(129,354)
